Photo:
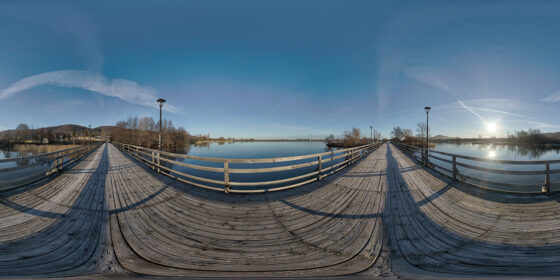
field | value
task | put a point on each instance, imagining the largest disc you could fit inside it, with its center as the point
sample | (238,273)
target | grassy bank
(32,149)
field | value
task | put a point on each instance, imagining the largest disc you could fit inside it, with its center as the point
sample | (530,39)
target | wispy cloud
(469,109)
(429,77)
(555,97)
(123,89)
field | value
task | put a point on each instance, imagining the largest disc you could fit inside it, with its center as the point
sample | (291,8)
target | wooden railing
(323,164)
(452,170)
(20,171)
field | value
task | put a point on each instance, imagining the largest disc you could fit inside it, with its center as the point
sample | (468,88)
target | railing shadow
(426,244)
(483,193)
(69,243)
(331,215)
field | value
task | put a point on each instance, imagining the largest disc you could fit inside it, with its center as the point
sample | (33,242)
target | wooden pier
(385,215)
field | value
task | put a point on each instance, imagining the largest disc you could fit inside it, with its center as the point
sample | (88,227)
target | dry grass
(32,149)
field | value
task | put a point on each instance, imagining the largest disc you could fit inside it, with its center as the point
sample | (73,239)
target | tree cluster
(350,138)
(531,136)
(145,131)
(406,135)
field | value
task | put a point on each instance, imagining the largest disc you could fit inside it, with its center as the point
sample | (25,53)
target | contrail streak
(469,109)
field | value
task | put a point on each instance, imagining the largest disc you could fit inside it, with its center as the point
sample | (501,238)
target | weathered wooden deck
(384,216)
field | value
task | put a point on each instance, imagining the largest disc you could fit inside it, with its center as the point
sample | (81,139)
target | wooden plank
(232,233)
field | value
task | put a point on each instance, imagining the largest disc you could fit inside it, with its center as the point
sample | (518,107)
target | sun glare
(491,154)
(491,127)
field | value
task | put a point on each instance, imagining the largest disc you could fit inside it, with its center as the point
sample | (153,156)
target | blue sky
(289,69)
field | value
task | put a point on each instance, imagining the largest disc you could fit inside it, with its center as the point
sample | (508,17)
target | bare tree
(407,132)
(376,135)
(421,131)
(400,133)
(22,130)
(397,132)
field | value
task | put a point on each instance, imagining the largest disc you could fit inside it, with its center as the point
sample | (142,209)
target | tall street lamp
(160,101)
(427,109)
(89,133)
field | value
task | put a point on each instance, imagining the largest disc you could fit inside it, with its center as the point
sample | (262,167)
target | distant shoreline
(489,141)
(256,140)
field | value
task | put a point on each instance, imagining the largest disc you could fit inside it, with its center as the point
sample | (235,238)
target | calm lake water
(256,149)
(248,150)
(4,153)
(503,152)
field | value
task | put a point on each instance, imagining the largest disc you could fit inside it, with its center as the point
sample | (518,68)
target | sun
(492,127)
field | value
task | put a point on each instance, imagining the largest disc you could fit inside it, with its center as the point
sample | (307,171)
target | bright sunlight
(491,127)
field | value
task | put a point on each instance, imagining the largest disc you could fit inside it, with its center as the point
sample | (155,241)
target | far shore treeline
(144,132)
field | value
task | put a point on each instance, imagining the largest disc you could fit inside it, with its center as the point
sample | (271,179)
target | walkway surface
(385,216)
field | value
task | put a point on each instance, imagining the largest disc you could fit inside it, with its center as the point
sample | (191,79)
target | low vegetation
(350,138)
(33,149)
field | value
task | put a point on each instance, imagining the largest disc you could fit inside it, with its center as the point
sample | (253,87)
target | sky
(283,69)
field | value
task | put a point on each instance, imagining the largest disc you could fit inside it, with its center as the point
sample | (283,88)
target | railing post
(319,168)
(56,162)
(61,160)
(226,176)
(153,161)
(547,180)
(158,162)
(454,168)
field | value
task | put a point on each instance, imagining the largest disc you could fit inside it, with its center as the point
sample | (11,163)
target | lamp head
(427,109)
(161,101)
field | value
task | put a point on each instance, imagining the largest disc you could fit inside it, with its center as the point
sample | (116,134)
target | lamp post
(89,133)
(160,101)
(427,109)
(371,130)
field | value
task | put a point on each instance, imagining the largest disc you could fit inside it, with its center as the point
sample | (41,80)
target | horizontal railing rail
(422,155)
(21,171)
(321,165)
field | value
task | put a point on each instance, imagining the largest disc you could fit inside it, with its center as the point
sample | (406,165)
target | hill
(59,131)
(441,137)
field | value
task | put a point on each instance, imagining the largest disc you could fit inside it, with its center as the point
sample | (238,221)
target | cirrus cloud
(125,90)
(555,97)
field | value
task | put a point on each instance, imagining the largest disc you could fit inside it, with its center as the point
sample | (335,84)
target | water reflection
(502,151)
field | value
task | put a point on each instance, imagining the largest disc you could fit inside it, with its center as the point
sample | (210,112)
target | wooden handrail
(454,172)
(59,160)
(153,158)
